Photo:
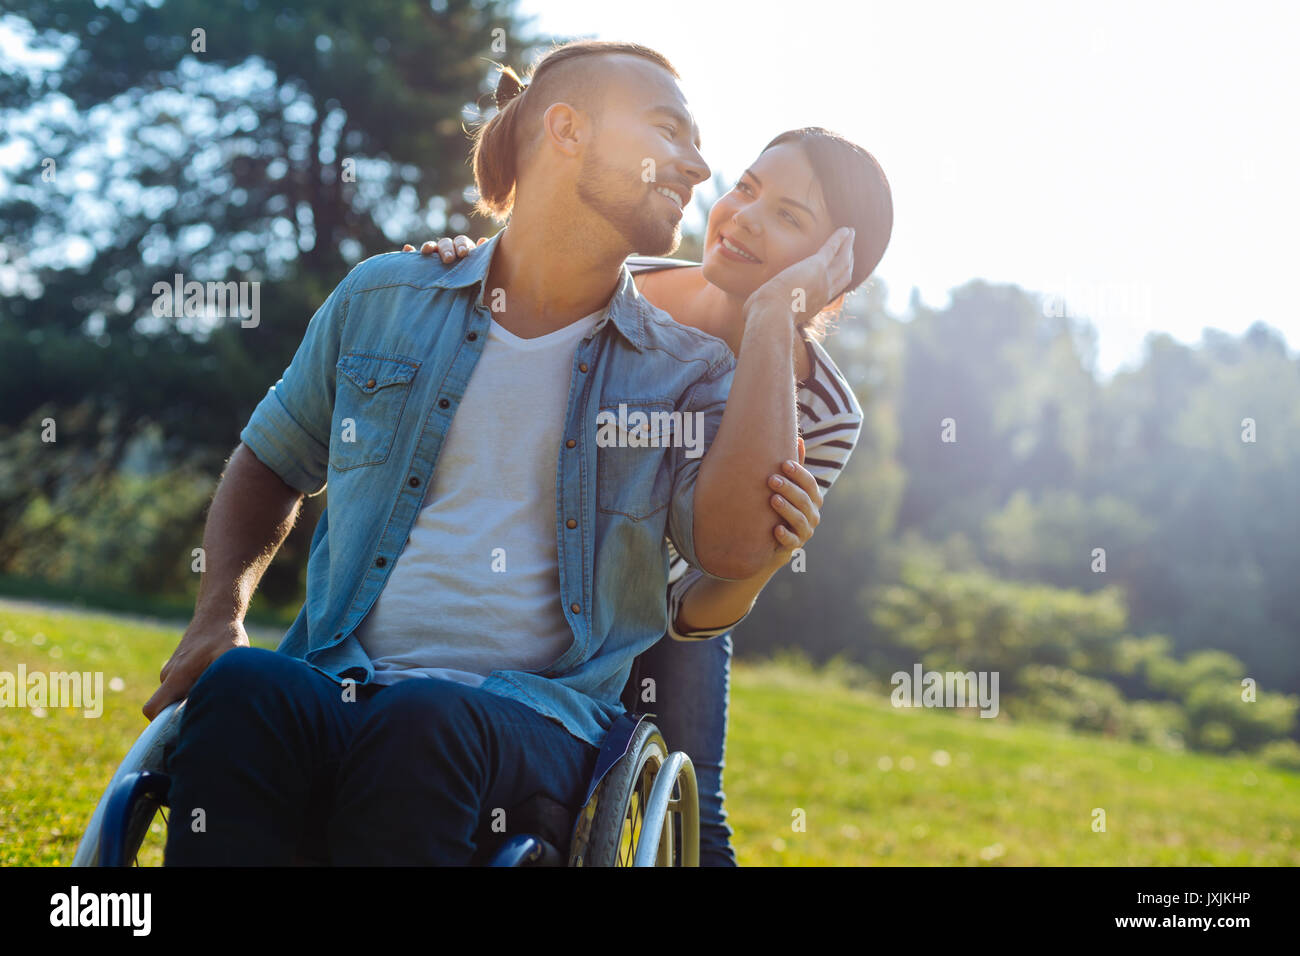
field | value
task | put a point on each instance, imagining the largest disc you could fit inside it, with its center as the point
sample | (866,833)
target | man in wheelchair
(474,607)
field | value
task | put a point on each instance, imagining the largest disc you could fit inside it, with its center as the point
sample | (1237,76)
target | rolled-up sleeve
(707,398)
(676,594)
(289,430)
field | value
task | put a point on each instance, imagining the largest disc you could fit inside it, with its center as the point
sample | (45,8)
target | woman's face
(774,217)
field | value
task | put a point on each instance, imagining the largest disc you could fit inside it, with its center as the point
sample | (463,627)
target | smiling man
(485,572)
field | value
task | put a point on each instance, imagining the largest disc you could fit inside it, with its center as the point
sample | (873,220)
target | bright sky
(1139,159)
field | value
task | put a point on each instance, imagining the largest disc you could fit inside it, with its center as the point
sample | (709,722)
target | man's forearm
(252,513)
(759,430)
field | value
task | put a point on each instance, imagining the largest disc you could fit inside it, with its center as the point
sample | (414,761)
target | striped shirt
(830,419)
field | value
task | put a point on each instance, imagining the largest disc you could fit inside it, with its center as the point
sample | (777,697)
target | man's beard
(647,233)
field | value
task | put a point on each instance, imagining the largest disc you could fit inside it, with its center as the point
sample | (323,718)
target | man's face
(646,144)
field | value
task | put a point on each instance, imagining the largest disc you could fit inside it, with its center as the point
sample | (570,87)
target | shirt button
(380,562)
(575,607)
(570,523)
(370,383)
(472,336)
(443,403)
(413,481)
(582,366)
(570,443)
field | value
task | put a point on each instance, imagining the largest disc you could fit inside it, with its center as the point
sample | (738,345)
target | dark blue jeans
(274,766)
(692,683)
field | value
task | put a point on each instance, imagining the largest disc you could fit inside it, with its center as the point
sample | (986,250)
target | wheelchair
(641,806)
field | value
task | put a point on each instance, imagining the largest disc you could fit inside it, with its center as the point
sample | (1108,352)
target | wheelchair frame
(641,806)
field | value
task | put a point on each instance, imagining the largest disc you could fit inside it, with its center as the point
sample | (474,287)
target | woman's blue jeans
(692,681)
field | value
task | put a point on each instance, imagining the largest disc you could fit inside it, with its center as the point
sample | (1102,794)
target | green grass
(876,785)
(175,609)
(885,786)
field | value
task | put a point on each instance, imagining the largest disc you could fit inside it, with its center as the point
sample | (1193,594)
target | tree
(251,143)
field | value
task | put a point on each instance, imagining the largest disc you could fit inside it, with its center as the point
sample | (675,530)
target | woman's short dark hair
(857,194)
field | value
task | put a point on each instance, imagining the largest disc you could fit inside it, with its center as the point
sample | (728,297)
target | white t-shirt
(477,587)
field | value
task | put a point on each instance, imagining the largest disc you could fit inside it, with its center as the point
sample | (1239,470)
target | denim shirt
(385,362)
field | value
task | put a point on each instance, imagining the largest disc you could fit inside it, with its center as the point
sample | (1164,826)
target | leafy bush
(119,531)
(1221,720)
(1088,703)
(1283,754)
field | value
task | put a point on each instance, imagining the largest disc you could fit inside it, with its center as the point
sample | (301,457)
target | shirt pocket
(633,481)
(370,395)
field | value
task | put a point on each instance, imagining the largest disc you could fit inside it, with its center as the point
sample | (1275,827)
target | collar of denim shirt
(627,309)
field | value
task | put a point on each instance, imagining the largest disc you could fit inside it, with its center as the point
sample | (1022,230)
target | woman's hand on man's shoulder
(449,250)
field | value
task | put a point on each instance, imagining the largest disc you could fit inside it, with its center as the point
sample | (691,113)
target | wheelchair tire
(620,801)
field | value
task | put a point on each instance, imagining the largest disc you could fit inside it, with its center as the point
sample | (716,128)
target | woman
(804,185)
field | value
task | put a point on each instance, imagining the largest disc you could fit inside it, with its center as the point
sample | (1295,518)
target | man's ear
(565,128)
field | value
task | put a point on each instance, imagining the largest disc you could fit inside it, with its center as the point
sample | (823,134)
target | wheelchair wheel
(122,829)
(634,819)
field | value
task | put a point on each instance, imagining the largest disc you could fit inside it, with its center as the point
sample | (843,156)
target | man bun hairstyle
(856,193)
(504,142)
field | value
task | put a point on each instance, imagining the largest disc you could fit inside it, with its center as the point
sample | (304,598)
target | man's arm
(283,454)
(758,432)
(252,513)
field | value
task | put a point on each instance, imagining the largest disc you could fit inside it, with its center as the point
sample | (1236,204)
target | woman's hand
(449,249)
(820,278)
(711,603)
(798,501)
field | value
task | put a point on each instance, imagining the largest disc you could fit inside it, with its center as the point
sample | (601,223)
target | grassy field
(817,773)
